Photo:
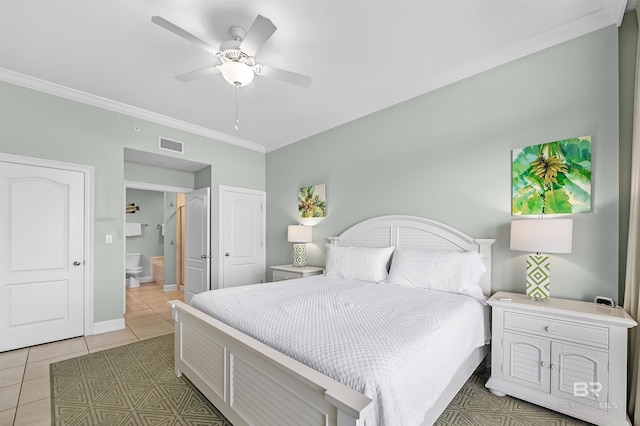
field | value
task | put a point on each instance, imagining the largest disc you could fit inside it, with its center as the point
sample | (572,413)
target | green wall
(39,125)
(446,155)
(145,173)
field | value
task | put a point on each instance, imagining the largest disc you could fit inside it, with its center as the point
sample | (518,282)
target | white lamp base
(299,255)
(538,283)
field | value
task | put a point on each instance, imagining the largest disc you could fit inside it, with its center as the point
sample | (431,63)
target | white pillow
(358,263)
(453,272)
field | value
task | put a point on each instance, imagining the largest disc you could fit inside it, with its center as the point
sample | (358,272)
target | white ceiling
(363,56)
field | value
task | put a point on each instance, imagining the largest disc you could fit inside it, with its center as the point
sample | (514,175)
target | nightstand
(566,355)
(289,272)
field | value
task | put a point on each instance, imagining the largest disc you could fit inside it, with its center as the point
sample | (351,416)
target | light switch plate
(108,239)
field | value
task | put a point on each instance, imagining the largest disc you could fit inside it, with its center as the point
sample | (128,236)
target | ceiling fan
(237,55)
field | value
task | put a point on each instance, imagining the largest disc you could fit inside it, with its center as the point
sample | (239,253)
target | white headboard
(416,233)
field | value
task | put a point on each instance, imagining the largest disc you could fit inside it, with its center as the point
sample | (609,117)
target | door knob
(76,263)
(204,256)
(227,254)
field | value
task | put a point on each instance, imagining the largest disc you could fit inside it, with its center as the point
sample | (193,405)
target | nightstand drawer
(283,275)
(290,272)
(557,328)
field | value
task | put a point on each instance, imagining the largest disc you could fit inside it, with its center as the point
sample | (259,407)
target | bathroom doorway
(156,215)
(154,228)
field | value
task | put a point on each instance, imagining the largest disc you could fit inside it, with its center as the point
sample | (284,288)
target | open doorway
(145,310)
(155,250)
(154,234)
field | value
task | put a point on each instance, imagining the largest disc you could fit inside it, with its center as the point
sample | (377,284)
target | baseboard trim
(169,287)
(107,326)
(147,279)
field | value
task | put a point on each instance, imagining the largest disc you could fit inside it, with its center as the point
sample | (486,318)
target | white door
(42,255)
(527,361)
(242,251)
(197,242)
(585,366)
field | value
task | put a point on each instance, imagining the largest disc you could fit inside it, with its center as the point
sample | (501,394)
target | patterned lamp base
(538,283)
(299,255)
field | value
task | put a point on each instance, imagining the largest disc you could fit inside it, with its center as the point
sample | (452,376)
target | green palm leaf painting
(311,201)
(552,178)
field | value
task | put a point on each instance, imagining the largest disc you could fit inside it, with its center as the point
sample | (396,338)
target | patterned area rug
(136,385)
(474,405)
(128,385)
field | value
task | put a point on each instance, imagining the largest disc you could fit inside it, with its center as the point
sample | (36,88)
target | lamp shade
(299,234)
(542,235)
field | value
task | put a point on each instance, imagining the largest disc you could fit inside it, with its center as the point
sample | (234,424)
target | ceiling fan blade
(260,31)
(194,75)
(286,76)
(182,33)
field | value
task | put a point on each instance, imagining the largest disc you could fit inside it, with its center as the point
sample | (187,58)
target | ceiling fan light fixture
(237,73)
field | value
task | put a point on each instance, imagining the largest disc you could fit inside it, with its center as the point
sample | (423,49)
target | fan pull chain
(237,119)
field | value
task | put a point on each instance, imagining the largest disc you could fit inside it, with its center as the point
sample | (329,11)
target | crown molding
(110,105)
(610,14)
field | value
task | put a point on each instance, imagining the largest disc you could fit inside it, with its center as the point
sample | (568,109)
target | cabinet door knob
(549,329)
(545,364)
(554,366)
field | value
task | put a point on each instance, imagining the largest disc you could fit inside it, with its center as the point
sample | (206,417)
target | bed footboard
(253,384)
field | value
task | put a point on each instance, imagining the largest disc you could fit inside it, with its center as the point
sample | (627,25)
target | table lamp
(299,235)
(540,236)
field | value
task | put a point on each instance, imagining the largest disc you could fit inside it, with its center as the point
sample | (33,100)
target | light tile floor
(24,373)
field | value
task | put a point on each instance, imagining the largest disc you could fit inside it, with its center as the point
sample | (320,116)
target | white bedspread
(398,346)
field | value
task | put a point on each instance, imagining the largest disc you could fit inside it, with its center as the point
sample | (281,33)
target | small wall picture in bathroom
(552,178)
(131,208)
(312,201)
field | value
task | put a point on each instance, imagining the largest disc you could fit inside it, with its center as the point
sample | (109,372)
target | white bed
(299,382)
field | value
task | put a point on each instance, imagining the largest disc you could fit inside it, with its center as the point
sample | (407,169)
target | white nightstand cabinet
(566,355)
(289,272)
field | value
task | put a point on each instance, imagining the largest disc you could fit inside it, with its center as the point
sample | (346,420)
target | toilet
(133,269)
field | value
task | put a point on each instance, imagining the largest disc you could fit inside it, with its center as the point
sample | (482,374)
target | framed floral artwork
(552,178)
(312,201)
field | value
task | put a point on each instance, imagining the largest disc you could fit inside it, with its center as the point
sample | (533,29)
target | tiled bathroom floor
(24,373)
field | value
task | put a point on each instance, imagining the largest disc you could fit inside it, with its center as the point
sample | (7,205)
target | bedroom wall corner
(446,155)
(628,36)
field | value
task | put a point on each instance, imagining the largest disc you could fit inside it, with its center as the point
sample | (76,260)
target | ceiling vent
(171,145)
